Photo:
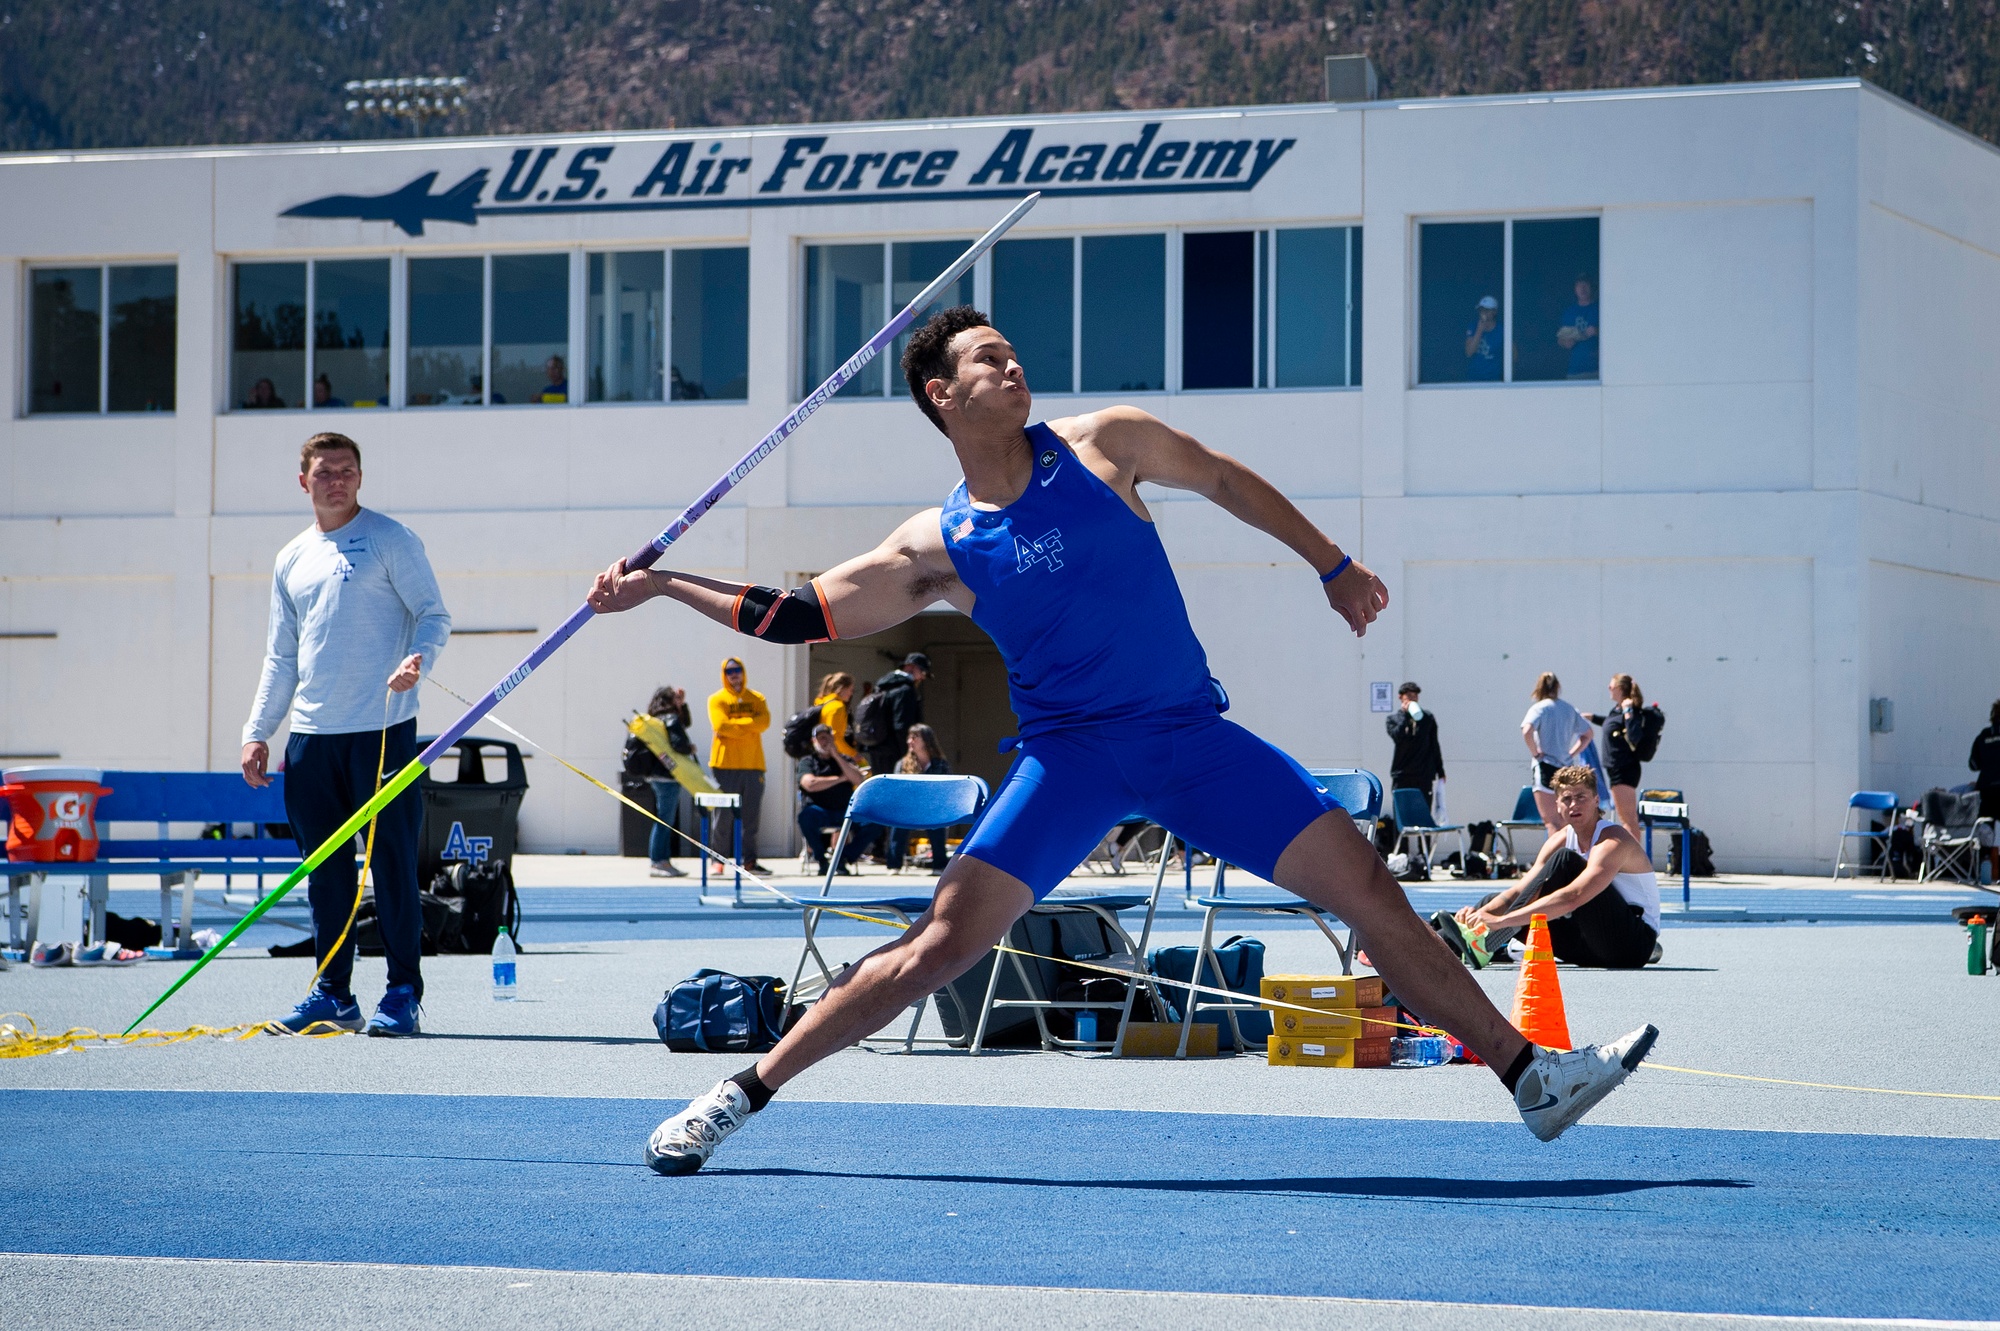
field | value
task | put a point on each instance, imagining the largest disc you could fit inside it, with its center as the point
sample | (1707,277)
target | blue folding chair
(1130,961)
(1355,790)
(1527,816)
(899,801)
(1868,803)
(1417,825)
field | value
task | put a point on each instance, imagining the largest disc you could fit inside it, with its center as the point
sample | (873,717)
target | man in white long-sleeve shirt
(356,620)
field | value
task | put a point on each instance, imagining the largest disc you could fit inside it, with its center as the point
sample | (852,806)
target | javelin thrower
(1048,547)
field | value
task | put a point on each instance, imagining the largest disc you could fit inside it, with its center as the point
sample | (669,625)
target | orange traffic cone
(1538,998)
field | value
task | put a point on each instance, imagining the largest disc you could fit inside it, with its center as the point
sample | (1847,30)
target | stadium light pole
(417,100)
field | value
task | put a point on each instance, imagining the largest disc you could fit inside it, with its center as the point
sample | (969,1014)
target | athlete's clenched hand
(615,589)
(1359,596)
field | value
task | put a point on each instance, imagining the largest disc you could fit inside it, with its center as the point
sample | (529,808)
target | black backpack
(875,720)
(1650,722)
(799,731)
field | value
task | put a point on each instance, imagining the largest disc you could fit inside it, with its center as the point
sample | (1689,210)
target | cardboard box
(1327,1053)
(1160,1039)
(1369,1023)
(1326,991)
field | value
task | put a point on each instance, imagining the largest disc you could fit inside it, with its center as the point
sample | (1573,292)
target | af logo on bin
(459,846)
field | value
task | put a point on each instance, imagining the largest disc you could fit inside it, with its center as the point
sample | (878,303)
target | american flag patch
(962,530)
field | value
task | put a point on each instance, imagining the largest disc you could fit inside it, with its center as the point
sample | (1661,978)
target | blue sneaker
(396,1014)
(321,1008)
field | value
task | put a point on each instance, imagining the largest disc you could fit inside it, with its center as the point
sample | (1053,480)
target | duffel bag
(716,1012)
(1242,961)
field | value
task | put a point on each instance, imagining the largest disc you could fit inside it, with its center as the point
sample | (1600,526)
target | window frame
(576,359)
(1414,348)
(25,406)
(1265,320)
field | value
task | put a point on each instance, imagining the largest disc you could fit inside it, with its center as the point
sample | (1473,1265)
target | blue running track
(1699,1221)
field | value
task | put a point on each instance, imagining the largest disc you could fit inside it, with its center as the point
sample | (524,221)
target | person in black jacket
(1623,736)
(669,704)
(1418,763)
(903,688)
(1985,760)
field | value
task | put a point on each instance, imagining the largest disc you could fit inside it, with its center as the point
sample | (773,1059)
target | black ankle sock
(1512,1076)
(759,1094)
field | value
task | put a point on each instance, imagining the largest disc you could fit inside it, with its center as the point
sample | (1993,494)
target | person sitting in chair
(1592,880)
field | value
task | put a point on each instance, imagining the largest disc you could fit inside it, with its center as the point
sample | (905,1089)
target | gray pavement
(167,1294)
(1887,1005)
(1883,1006)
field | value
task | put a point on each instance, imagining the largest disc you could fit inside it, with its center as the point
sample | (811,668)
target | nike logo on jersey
(1042,550)
(1051,464)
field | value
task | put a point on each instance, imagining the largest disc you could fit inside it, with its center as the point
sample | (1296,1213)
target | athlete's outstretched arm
(866,594)
(1148,449)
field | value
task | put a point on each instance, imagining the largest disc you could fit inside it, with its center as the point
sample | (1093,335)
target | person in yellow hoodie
(835,692)
(739,716)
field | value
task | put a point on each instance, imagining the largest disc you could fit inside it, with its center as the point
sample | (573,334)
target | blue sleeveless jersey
(1076,591)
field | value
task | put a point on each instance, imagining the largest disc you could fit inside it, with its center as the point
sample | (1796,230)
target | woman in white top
(1555,733)
(1592,880)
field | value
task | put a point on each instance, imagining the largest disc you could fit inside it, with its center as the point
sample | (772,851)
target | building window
(345,361)
(1250,322)
(624,326)
(447,337)
(663,326)
(1034,304)
(710,348)
(852,290)
(1122,312)
(530,328)
(1507,302)
(80,361)
(350,342)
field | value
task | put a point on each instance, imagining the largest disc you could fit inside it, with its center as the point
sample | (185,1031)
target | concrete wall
(1780,500)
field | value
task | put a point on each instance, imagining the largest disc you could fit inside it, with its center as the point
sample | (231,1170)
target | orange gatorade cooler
(55,813)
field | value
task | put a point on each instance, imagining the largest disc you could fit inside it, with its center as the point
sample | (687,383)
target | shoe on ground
(396,1014)
(666,869)
(754,866)
(108,954)
(1470,946)
(322,1009)
(1559,1088)
(683,1143)
(52,954)
(1658,952)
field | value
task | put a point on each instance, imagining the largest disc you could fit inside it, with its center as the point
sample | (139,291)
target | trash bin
(474,817)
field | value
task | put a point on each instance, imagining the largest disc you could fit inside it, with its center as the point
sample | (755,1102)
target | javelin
(647,556)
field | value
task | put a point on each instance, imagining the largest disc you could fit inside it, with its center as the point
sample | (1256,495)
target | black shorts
(1621,770)
(1606,931)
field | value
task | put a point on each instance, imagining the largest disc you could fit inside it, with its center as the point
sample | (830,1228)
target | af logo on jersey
(1042,550)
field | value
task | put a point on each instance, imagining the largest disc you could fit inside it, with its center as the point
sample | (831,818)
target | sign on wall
(1076,159)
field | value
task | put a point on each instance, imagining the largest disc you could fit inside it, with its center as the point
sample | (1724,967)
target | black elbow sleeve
(789,617)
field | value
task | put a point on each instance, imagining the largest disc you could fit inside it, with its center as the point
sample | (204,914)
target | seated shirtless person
(1592,880)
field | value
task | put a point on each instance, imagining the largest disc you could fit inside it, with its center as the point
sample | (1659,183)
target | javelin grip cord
(646,557)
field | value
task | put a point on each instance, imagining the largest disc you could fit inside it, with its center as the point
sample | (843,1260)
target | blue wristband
(1338,569)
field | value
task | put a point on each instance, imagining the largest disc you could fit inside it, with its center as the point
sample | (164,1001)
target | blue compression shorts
(1209,781)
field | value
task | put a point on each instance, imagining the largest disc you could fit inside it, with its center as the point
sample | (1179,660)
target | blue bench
(165,798)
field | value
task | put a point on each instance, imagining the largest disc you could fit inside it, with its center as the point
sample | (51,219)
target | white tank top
(1641,889)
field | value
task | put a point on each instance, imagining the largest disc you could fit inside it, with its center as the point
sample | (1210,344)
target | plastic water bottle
(1086,1025)
(1418,1051)
(503,968)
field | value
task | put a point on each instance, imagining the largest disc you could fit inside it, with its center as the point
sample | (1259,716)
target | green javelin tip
(344,836)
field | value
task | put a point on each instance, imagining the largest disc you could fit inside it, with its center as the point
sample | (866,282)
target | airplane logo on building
(409,207)
(811,169)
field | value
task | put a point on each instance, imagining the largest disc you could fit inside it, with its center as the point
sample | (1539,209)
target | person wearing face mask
(1418,762)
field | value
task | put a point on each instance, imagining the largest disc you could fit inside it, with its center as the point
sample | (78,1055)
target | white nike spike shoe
(1559,1088)
(683,1143)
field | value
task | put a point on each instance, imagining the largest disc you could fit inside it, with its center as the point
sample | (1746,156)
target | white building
(1774,498)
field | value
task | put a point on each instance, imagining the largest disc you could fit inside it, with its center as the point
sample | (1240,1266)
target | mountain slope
(112,73)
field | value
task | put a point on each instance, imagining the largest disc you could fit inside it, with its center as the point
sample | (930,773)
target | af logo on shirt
(1042,550)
